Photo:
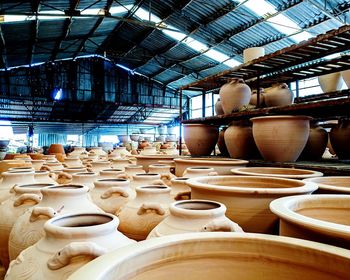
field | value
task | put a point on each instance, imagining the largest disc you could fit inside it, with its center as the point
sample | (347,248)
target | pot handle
(183,196)
(222,225)
(160,182)
(130,161)
(12,189)
(214,173)
(112,190)
(123,176)
(152,206)
(64,256)
(63,176)
(41,211)
(26,196)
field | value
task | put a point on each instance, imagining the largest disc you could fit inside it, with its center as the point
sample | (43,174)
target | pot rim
(216,211)
(245,171)
(31,188)
(305,188)
(14,173)
(112,182)
(84,174)
(282,208)
(153,189)
(281,117)
(329,187)
(211,161)
(66,189)
(180,179)
(155,156)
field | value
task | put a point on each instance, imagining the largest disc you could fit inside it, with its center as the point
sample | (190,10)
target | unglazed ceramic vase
(278,95)
(120,163)
(330,82)
(234,95)
(254,98)
(144,179)
(44,177)
(140,215)
(98,151)
(339,137)
(346,77)
(52,166)
(120,152)
(221,143)
(289,173)
(200,139)
(5,165)
(56,201)
(72,170)
(321,218)
(112,194)
(162,169)
(23,197)
(100,165)
(133,169)
(247,198)
(199,171)
(37,163)
(281,138)
(78,151)
(332,184)
(222,166)
(72,161)
(239,140)
(145,161)
(70,242)
(149,150)
(316,143)
(220,255)
(250,54)
(218,108)
(194,216)
(111,173)
(56,149)
(179,188)
(85,179)
(25,168)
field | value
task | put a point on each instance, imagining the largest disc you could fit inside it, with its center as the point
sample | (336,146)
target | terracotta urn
(69,242)
(316,143)
(12,178)
(52,166)
(221,143)
(331,82)
(339,137)
(240,141)
(179,188)
(278,95)
(332,184)
(111,173)
(143,144)
(162,169)
(200,138)
(133,169)
(234,95)
(149,150)
(44,177)
(72,161)
(112,194)
(56,201)
(346,77)
(140,215)
(218,108)
(281,138)
(252,53)
(78,151)
(199,171)
(320,218)
(220,255)
(37,163)
(120,152)
(85,179)
(23,197)
(5,165)
(97,166)
(36,156)
(247,198)
(289,173)
(56,149)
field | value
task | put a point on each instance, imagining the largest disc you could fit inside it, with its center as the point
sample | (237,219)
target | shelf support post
(180,115)
(258,90)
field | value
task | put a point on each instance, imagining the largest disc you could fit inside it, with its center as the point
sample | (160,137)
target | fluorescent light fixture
(332,56)
(232,63)
(176,35)
(120,9)
(58,94)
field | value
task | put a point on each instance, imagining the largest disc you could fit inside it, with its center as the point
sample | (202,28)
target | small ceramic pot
(100,165)
(49,158)
(332,184)
(199,171)
(316,143)
(194,216)
(98,151)
(24,168)
(218,108)
(250,54)
(78,151)
(112,173)
(339,137)
(278,95)
(289,173)
(120,163)
(85,179)
(179,188)
(133,169)
(120,152)
(330,82)
(161,169)
(52,166)
(149,150)
(37,163)
(140,215)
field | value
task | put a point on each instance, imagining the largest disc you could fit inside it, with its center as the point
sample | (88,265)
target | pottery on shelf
(140,215)
(200,139)
(56,201)
(316,143)
(199,171)
(330,82)
(346,77)
(70,242)
(320,218)
(289,173)
(339,137)
(221,255)
(85,179)
(278,95)
(221,143)
(146,160)
(234,95)
(247,198)
(179,188)
(250,54)
(194,216)
(254,98)
(218,108)
(332,184)
(281,138)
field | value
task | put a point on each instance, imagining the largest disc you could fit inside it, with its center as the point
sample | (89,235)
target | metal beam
(35,5)
(3,60)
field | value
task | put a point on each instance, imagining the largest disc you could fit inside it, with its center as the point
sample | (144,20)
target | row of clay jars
(339,137)
(316,143)
(277,95)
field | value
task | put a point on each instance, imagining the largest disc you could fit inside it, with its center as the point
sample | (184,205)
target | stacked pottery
(278,95)
(97,166)
(85,179)
(221,142)
(195,216)
(37,163)
(133,169)
(56,201)
(200,138)
(346,77)
(179,188)
(199,171)
(339,137)
(316,143)
(69,242)
(140,215)
(330,82)
(218,108)
(112,173)
(24,197)
(234,95)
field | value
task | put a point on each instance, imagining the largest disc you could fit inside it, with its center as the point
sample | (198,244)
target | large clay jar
(72,161)
(234,95)
(12,178)
(56,201)
(112,194)
(247,198)
(339,137)
(23,197)
(221,255)
(346,77)
(218,108)
(320,218)
(194,216)
(140,215)
(278,95)
(98,151)
(331,82)
(332,184)
(221,143)
(281,138)
(179,188)
(99,165)
(199,171)
(240,141)
(85,179)
(316,143)
(254,98)
(56,149)
(111,173)
(133,169)
(200,138)
(70,242)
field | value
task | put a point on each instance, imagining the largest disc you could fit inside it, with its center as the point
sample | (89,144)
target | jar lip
(198,208)
(113,180)
(153,189)
(69,189)
(180,179)
(18,172)
(146,174)
(112,170)
(28,188)
(85,174)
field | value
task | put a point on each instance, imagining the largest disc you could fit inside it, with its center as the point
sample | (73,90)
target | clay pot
(7,164)
(43,177)
(346,77)
(140,215)
(37,163)
(146,179)
(179,188)
(194,216)
(332,184)
(339,137)
(27,168)
(250,54)
(145,161)
(331,82)
(222,166)
(133,169)
(316,143)
(218,108)
(69,242)
(143,144)
(254,98)
(36,156)
(120,152)
(78,151)
(56,149)
(221,143)
(234,95)
(49,157)
(239,140)
(199,171)
(53,166)
(247,198)
(290,173)
(200,138)
(56,201)
(320,218)
(281,138)
(120,163)
(72,161)
(278,95)
(149,150)
(97,151)
(220,255)
(72,170)
(162,169)
(85,179)
(97,166)
(112,173)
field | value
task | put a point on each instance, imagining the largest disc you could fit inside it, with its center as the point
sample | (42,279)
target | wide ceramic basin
(332,184)
(291,173)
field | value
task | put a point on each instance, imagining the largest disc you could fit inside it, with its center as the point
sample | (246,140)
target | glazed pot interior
(197,205)
(82,220)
